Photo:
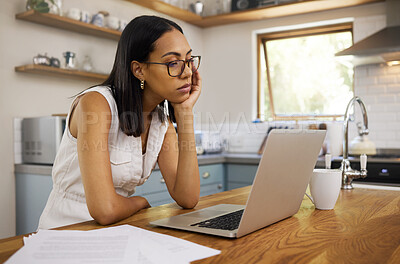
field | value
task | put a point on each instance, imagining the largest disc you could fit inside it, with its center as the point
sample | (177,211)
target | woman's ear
(136,69)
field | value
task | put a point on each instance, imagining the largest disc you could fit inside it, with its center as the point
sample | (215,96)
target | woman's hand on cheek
(194,94)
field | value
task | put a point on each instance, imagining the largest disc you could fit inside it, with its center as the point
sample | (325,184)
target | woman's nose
(187,71)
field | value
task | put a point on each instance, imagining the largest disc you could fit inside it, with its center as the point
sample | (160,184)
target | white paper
(121,244)
(75,247)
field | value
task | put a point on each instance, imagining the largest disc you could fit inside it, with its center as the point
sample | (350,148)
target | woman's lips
(185,89)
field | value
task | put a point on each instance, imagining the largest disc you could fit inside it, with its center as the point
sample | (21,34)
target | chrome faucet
(348,174)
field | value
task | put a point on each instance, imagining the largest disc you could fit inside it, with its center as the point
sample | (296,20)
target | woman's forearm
(118,208)
(187,184)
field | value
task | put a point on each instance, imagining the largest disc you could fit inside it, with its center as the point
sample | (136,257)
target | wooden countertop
(364,227)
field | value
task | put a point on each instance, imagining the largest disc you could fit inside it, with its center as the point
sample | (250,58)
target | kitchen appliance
(243,4)
(383,46)
(41,138)
(362,145)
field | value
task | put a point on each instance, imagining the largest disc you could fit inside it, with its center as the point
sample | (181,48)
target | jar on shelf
(70,61)
(226,6)
(56,8)
(87,64)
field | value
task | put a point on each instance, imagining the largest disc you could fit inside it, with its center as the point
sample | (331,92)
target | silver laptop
(278,188)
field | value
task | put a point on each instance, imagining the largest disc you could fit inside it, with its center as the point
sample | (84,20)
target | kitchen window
(299,76)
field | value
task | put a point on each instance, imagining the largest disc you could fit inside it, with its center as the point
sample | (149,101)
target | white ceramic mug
(74,13)
(122,24)
(325,188)
(112,22)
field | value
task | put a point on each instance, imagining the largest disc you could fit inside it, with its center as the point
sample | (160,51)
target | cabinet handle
(162,180)
(205,175)
(219,186)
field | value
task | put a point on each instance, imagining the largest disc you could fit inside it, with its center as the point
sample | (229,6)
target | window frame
(261,44)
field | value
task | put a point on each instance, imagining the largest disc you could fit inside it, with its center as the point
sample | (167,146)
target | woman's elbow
(104,220)
(189,203)
(105,215)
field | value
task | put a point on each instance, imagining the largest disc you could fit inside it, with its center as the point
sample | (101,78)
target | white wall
(23,95)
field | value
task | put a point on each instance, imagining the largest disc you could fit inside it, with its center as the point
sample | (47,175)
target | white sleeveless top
(67,203)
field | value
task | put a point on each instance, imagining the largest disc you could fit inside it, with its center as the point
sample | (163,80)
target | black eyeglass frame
(185,62)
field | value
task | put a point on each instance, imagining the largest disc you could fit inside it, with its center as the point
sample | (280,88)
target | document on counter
(120,244)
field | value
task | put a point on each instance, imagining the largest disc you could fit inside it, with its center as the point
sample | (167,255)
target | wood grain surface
(364,227)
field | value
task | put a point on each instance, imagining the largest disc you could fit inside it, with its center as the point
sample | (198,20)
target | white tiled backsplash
(379,88)
(247,137)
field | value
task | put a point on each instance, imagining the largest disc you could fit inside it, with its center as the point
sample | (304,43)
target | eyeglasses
(176,67)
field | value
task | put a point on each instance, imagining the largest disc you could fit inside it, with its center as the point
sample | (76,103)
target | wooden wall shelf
(68,24)
(294,8)
(63,73)
(168,9)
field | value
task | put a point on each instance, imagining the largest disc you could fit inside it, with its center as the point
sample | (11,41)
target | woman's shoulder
(89,107)
(93,103)
(97,97)
(104,90)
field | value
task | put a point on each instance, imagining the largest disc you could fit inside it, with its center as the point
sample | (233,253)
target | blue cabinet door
(240,175)
(211,179)
(32,192)
(156,192)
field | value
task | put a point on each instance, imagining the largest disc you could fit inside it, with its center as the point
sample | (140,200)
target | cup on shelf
(74,13)
(198,8)
(98,20)
(325,188)
(112,22)
(122,24)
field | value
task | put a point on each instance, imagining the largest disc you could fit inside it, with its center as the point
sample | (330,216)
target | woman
(116,132)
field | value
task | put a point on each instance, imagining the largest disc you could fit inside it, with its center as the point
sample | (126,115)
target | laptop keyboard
(225,222)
